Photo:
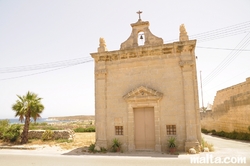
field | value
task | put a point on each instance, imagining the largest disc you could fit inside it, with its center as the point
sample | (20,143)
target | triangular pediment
(143,93)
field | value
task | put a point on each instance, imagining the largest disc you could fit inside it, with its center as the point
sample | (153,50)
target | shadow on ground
(82,151)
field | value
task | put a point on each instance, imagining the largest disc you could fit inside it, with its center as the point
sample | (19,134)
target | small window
(171,129)
(118,130)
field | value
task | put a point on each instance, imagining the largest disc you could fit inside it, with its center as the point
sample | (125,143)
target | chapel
(146,94)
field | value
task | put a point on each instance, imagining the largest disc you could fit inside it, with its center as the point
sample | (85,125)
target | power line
(225,62)
(228,80)
(215,48)
(210,35)
(243,25)
(44,65)
(220,33)
(223,32)
(243,43)
(27,75)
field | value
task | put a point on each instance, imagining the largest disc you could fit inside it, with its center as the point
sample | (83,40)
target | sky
(45,45)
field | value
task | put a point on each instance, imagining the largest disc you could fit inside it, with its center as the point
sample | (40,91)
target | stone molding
(173,49)
(143,94)
(130,109)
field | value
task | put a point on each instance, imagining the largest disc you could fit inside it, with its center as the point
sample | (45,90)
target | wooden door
(144,128)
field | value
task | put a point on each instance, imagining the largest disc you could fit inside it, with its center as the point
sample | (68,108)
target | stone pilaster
(131,144)
(101,106)
(187,64)
(190,110)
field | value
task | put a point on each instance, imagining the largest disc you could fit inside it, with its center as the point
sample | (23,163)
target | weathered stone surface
(97,148)
(231,109)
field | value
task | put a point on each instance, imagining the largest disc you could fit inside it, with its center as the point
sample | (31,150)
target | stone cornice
(144,51)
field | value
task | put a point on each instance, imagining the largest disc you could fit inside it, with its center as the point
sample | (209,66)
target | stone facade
(231,109)
(147,94)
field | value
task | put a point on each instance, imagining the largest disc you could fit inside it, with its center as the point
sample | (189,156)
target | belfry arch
(149,38)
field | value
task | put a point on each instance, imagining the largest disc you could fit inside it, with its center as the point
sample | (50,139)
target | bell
(141,37)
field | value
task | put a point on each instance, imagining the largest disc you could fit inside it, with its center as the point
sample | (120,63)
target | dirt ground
(80,140)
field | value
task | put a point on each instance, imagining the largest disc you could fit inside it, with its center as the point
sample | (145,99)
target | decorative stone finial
(183,33)
(102,46)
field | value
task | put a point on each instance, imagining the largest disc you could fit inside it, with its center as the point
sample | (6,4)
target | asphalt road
(223,148)
(227,147)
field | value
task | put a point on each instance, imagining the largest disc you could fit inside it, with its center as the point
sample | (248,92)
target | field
(81,138)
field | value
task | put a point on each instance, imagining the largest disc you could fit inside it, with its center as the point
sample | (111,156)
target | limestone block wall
(58,134)
(159,73)
(169,69)
(231,109)
(227,93)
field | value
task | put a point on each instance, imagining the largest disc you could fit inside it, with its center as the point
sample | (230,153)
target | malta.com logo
(210,159)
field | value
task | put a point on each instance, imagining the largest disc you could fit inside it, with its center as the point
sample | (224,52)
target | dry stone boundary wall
(231,110)
(58,134)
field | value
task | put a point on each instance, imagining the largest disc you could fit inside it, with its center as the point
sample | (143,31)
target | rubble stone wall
(58,134)
(231,110)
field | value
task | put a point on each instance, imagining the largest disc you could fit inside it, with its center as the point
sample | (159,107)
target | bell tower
(141,27)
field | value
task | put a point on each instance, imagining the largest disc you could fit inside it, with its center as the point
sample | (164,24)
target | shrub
(12,133)
(116,146)
(233,135)
(221,133)
(81,129)
(91,148)
(213,131)
(4,124)
(42,126)
(103,150)
(205,131)
(48,135)
(50,128)
(243,136)
(171,142)
(206,144)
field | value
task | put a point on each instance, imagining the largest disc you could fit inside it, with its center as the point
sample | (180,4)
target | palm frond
(28,106)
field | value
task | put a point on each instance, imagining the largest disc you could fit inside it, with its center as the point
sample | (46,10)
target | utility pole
(201,93)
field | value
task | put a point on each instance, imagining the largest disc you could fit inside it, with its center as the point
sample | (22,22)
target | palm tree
(27,107)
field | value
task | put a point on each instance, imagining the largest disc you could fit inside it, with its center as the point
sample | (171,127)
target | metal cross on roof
(139,12)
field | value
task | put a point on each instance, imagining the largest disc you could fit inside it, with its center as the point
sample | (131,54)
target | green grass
(81,129)
(42,126)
